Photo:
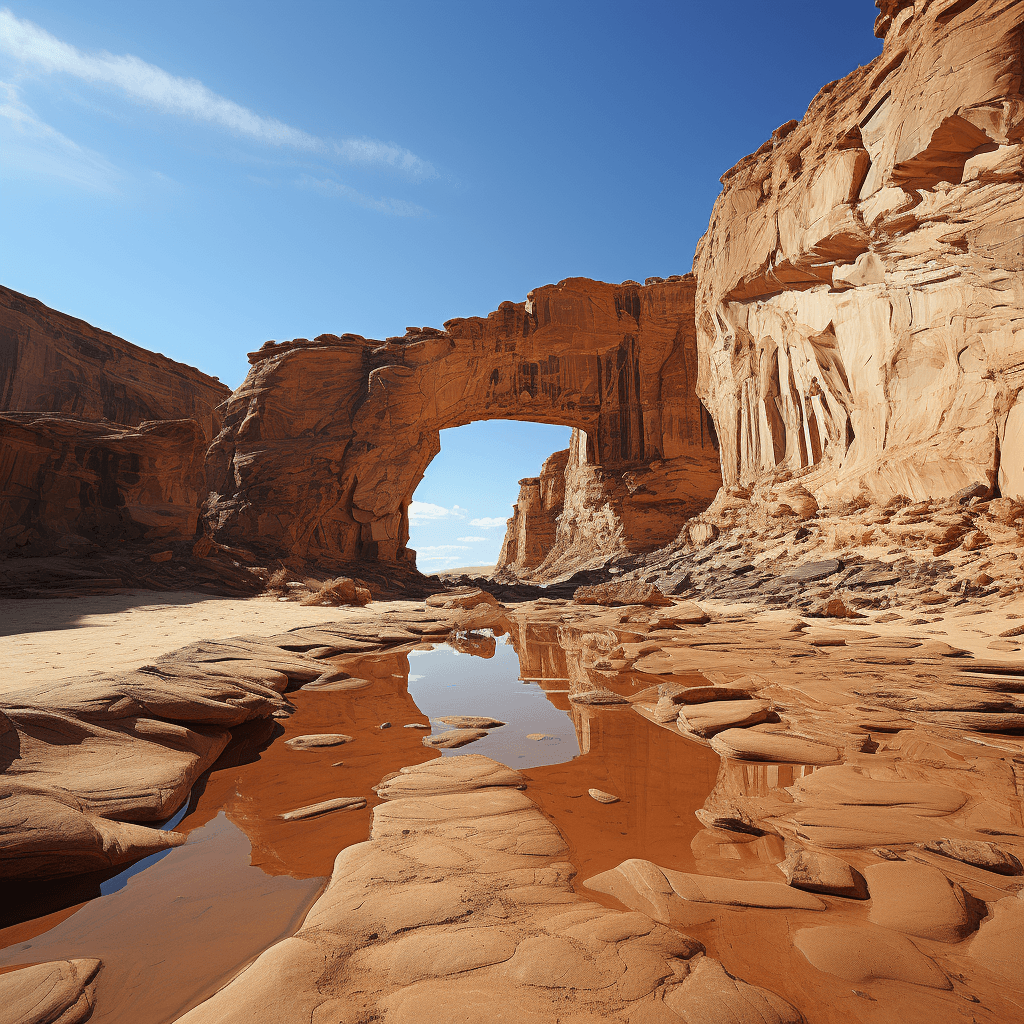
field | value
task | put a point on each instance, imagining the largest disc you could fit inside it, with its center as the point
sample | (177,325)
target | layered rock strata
(54,363)
(102,444)
(860,285)
(328,475)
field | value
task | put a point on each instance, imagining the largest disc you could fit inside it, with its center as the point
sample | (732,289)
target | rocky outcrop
(860,285)
(74,487)
(53,363)
(102,444)
(328,474)
(530,533)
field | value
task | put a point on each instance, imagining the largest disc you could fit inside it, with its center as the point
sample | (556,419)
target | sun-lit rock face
(326,440)
(101,442)
(860,289)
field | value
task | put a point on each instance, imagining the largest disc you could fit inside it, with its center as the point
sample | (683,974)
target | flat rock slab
(775,747)
(997,944)
(715,716)
(919,900)
(332,682)
(341,803)
(314,740)
(626,592)
(811,571)
(598,697)
(981,855)
(863,955)
(470,721)
(454,738)
(602,797)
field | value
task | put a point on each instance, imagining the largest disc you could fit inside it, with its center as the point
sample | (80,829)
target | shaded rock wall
(530,533)
(71,486)
(325,442)
(860,284)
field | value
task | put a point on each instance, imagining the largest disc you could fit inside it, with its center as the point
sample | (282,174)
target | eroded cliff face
(325,471)
(102,443)
(54,363)
(860,285)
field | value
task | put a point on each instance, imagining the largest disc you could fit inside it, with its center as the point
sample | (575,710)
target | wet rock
(454,738)
(820,872)
(626,592)
(715,716)
(671,897)
(919,900)
(981,855)
(313,741)
(537,736)
(416,725)
(468,608)
(470,721)
(598,697)
(864,954)
(336,681)
(710,994)
(59,992)
(602,797)
(384,725)
(342,803)
(464,774)
(779,747)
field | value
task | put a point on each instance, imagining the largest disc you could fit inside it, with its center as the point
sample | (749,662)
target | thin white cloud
(439,547)
(488,522)
(30,147)
(471,540)
(336,189)
(33,46)
(423,511)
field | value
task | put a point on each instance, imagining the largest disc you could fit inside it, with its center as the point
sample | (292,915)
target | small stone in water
(384,725)
(416,725)
(602,797)
(539,736)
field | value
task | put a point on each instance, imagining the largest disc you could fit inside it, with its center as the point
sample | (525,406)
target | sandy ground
(47,639)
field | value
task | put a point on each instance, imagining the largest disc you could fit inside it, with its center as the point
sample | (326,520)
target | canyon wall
(102,443)
(860,289)
(325,442)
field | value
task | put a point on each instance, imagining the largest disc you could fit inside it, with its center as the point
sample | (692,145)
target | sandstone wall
(51,362)
(101,442)
(73,486)
(325,442)
(530,533)
(860,296)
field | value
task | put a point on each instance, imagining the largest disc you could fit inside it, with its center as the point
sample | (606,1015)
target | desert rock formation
(860,285)
(102,444)
(328,475)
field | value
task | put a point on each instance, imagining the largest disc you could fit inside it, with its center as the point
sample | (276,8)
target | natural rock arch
(325,441)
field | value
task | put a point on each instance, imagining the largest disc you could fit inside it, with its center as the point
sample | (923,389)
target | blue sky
(202,177)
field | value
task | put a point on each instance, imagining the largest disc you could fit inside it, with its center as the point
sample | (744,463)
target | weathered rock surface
(331,480)
(454,738)
(460,909)
(631,592)
(54,993)
(74,487)
(918,899)
(820,872)
(53,363)
(859,287)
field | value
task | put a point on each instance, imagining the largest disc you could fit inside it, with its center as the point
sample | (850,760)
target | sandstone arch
(325,442)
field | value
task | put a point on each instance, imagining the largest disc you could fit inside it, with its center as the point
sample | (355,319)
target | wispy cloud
(29,146)
(488,522)
(338,190)
(424,511)
(435,549)
(471,540)
(34,47)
